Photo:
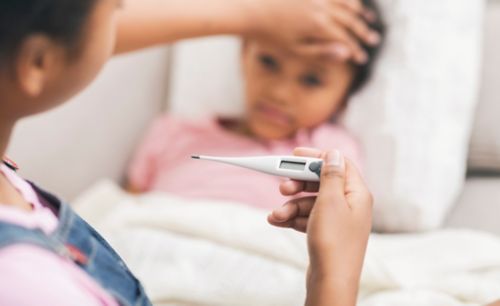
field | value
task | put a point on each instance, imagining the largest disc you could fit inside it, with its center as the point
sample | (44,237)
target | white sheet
(219,253)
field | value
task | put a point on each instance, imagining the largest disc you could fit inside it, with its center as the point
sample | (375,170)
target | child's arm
(305,26)
(337,223)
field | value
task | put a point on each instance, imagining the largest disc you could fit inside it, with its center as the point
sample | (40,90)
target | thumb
(332,185)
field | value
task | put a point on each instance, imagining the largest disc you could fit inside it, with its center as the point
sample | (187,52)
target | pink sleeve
(141,171)
(34,276)
(158,144)
(331,136)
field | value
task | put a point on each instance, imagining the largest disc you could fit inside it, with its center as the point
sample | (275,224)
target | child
(290,102)
(49,51)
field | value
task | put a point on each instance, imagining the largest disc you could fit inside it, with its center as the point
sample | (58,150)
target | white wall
(206,77)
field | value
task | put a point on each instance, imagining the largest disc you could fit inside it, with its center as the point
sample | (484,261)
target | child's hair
(61,20)
(363,72)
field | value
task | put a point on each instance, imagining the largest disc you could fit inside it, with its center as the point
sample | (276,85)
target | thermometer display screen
(289,165)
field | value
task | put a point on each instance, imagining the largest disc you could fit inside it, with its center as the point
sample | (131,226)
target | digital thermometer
(294,167)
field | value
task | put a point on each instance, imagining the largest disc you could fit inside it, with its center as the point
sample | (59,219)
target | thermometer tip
(195,156)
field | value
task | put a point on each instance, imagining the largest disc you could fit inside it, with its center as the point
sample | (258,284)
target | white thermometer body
(294,167)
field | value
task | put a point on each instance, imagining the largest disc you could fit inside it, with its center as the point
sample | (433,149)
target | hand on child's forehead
(120,3)
(319,62)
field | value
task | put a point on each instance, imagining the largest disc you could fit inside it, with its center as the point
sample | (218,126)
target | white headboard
(92,137)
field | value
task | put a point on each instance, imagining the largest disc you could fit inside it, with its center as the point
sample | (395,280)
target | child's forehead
(284,55)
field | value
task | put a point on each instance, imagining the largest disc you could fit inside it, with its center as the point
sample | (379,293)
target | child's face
(285,93)
(54,74)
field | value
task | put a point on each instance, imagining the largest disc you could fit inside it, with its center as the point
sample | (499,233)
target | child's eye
(311,80)
(268,62)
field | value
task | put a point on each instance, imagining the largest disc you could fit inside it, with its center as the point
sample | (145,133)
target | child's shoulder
(171,124)
(168,133)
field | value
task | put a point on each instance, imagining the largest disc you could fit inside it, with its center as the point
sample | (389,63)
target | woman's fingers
(300,207)
(357,25)
(349,24)
(333,30)
(356,6)
(292,187)
(293,213)
(298,224)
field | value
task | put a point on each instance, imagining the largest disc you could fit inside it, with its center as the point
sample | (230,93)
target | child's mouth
(273,115)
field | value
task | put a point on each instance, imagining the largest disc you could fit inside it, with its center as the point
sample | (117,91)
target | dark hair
(61,20)
(364,71)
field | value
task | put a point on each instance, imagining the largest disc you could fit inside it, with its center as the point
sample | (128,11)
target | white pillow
(205,78)
(484,152)
(413,119)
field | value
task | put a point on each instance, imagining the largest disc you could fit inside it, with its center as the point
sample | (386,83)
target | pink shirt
(162,162)
(30,275)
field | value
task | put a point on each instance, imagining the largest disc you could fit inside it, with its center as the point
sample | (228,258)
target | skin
(327,27)
(336,218)
(44,74)
(286,92)
(337,221)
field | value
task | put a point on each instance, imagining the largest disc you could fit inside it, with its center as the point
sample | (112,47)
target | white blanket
(219,253)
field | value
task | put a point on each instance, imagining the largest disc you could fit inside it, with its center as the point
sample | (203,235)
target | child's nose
(282,92)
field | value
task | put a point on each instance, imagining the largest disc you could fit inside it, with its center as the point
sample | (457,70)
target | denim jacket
(77,240)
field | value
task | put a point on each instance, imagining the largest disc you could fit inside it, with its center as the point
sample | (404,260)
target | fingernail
(333,158)
(370,16)
(374,38)
(279,214)
(341,51)
(281,210)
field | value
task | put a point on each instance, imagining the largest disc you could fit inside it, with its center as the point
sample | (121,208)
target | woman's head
(286,92)
(50,50)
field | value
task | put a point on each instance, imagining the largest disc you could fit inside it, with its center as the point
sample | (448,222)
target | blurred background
(94,136)
(428,122)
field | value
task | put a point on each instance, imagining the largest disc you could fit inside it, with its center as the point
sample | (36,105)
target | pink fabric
(162,162)
(30,275)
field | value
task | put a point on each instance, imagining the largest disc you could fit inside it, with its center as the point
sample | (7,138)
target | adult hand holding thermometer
(337,219)
(295,167)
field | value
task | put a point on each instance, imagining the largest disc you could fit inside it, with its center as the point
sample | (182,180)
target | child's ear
(35,62)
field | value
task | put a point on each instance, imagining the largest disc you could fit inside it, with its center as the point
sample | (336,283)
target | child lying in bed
(290,102)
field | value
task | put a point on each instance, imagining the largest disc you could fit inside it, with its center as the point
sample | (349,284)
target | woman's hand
(309,27)
(314,27)
(337,221)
